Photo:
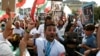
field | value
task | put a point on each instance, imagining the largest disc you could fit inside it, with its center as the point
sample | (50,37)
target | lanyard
(48,47)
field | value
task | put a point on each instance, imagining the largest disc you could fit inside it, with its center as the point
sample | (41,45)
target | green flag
(42,7)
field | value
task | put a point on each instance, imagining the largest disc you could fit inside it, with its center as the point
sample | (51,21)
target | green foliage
(96,14)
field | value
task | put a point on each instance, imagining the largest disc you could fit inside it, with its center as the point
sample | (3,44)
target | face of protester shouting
(50,32)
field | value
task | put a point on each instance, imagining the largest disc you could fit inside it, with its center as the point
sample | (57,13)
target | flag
(36,2)
(47,7)
(41,9)
(20,4)
(33,10)
(40,2)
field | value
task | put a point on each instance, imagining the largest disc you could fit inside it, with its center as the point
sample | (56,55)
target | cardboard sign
(8,4)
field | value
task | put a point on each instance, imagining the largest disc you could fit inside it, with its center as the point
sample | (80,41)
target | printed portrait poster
(88,13)
(57,9)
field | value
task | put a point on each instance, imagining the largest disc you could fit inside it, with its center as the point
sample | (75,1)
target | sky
(97,1)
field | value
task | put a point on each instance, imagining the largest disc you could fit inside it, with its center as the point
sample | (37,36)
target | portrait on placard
(88,13)
(56,5)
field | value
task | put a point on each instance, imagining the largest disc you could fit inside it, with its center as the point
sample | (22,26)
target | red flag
(40,2)
(47,9)
(36,2)
(33,10)
(20,4)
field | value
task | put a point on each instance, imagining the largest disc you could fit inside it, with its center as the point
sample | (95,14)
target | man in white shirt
(5,49)
(43,48)
(18,30)
(48,20)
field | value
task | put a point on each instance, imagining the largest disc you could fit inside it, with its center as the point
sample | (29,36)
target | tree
(96,14)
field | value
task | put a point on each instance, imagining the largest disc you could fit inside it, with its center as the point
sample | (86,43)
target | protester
(5,49)
(5,45)
(61,28)
(89,41)
(71,43)
(48,20)
(34,34)
(55,49)
(93,50)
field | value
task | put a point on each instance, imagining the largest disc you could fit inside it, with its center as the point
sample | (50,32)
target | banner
(88,13)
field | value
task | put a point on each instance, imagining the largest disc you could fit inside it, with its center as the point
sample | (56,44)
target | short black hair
(46,25)
(48,18)
(89,27)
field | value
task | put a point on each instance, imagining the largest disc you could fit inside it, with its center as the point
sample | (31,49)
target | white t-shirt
(19,31)
(1,37)
(41,30)
(98,54)
(34,31)
(57,49)
(62,30)
(5,49)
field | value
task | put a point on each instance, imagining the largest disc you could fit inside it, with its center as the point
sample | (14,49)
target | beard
(50,37)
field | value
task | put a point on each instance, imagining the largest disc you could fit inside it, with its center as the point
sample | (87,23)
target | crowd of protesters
(30,38)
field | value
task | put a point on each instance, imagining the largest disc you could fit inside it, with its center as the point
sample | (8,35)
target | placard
(88,11)
(8,4)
